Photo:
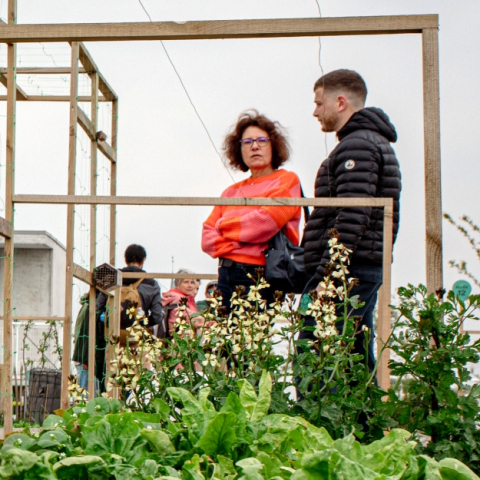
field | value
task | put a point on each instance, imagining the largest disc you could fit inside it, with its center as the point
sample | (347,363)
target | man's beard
(329,121)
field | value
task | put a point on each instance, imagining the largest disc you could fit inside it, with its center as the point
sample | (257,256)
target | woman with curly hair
(238,235)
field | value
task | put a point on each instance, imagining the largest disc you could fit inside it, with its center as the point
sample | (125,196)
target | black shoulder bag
(285,266)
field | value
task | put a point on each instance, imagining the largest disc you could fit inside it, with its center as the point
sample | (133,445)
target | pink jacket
(173,297)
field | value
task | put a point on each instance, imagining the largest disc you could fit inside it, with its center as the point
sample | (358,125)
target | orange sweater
(242,233)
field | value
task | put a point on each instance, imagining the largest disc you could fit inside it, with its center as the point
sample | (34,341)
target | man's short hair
(135,254)
(343,80)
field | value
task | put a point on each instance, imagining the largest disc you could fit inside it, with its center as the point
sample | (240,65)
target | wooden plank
(197,201)
(28,318)
(9,249)
(107,150)
(42,71)
(267,28)
(384,313)
(86,124)
(113,184)
(195,276)
(94,77)
(6,230)
(55,98)
(90,67)
(82,274)
(21,94)
(72,155)
(433,183)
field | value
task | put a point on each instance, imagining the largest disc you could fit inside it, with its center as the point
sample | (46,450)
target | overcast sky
(164,150)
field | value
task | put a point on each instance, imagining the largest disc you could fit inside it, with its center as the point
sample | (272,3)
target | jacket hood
(129,281)
(370,118)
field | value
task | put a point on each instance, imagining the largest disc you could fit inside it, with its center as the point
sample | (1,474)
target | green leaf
(161,407)
(234,405)
(18,440)
(98,406)
(428,468)
(53,421)
(159,441)
(452,469)
(74,468)
(219,435)
(191,469)
(53,438)
(331,464)
(257,407)
(391,455)
(16,461)
(251,469)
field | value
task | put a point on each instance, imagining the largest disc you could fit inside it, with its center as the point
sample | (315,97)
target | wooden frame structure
(11,34)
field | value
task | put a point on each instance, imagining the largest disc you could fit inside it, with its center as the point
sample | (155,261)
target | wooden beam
(384,313)
(195,276)
(54,98)
(198,201)
(433,181)
(72,156)
(6,230)
(83,274)
(28,318)
(9,249)
(21,94)
(107,150)
(86,124)
(90,67)
(94,77)
(43,71)
(268,28)
(113,184)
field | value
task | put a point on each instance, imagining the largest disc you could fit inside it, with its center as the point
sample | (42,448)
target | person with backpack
(142,293)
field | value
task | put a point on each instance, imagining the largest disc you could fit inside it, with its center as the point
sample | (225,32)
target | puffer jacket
(363,164)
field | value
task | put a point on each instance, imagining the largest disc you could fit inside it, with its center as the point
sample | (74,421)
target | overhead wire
(189,97)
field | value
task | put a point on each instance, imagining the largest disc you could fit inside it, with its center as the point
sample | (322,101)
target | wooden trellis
(11,34)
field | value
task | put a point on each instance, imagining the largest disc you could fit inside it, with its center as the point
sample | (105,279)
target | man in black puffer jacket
(363,164)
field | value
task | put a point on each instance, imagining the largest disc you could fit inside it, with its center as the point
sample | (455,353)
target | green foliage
(238,442)
(432,351)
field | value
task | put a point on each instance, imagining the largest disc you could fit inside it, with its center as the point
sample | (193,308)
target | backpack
(129,297)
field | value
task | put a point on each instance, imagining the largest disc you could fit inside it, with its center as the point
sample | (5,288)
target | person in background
(209,289)
(184,288)
(149,290)
(239,235)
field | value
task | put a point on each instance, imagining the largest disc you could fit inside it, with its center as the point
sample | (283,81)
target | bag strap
(137,283)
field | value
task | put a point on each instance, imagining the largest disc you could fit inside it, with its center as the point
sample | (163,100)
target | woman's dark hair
(251,118)
(135,254)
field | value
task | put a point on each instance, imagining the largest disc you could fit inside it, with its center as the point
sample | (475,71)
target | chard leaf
(98,406)
(234,405)
(251,468)
(332,465)
(219,435)
(272,466)
(452,469)
(159,441)
(161,407)
(428,468)
(74,468)
(391,455)
(191,469)
(19,440)
(257,407)
(16,461)
(53,421)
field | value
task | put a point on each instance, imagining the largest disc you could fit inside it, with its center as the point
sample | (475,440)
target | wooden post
(72,156)
(433,186)
(113,313)
(384,315)
(9,217)
(113,184)
(93,238)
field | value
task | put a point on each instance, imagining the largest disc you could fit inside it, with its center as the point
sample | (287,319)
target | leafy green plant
(337,389)
(439,401)
(104,440)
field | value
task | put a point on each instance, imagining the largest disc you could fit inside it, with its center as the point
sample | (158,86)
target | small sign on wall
(462,289)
